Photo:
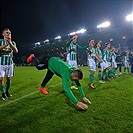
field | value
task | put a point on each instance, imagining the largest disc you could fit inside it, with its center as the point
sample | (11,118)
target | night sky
(36,20)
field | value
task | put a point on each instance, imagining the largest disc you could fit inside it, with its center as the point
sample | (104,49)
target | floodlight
(73,33)
(46,41)
(129,17)
(77,32)
(37,43)
(81,31)
(105,24)
(58,37)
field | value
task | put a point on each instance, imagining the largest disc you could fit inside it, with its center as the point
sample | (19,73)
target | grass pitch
(30,111)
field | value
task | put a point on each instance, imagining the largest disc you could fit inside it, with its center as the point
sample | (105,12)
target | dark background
(36,20)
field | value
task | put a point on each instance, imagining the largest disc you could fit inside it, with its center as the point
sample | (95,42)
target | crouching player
(57,66)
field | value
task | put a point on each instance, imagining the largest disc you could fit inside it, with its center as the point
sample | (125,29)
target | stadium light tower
(77,32)
(58,37)
(103,25)
(46,41)
(73,33)
(37,44)
(129,17)
(81,31)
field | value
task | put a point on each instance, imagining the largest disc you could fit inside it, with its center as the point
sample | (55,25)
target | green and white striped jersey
(113,55)
(91,53)
(98,52)
(106,55)
(72,50)
(126,57)
(6,54)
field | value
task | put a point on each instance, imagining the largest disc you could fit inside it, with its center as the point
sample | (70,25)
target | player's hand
(74,37)
(9,40)
(82,105)
(101,61)
(86,100)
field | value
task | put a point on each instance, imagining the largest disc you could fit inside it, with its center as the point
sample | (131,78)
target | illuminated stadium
(122,39)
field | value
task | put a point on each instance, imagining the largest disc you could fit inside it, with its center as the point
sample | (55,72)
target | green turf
(29,111)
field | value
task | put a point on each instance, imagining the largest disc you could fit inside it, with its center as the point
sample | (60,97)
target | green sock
(7,86)
(128,69)
(124,69)
(107,75)
(103,74)
(2,89)
(99,76)
(91,78)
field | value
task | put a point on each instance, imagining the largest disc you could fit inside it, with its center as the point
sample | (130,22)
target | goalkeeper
(56,66)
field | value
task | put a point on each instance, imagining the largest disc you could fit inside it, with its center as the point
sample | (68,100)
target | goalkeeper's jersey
(6,54)
(64,70)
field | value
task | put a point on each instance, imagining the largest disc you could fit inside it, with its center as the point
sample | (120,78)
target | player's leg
(40,65)
(2,74)
(125,67)
(120,69)
(74,64)
(8,83)
(9,75)
(100,68)
(48,76)
(111,72)
(132,67)
(92,69)
(128,67)
(105,70)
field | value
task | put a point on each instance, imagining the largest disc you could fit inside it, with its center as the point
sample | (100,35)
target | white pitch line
(7,103)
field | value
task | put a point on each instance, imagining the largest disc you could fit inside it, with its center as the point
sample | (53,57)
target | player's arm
(3,46)
(98,58)
(82,92)
(68,91)
(71,96)
(69,42)
(88,50)
(82,47)
(13,46)
(103,54)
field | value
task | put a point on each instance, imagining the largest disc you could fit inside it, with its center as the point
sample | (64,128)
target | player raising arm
(71,48)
